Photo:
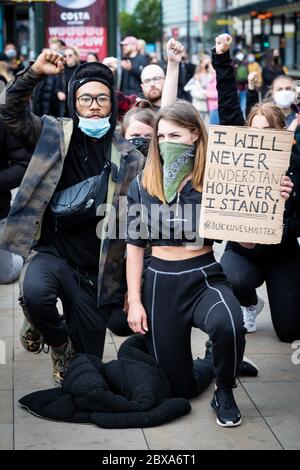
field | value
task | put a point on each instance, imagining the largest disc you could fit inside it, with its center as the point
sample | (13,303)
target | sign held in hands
(241,193)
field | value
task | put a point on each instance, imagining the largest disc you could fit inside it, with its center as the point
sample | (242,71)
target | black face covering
(142,144)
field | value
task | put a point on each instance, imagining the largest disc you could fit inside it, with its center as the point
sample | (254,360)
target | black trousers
(44,279)
(179,295)
(279,267)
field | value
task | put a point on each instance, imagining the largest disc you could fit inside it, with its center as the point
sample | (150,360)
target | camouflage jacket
(49,139)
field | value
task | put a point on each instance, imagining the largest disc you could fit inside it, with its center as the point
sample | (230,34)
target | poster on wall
(79,23)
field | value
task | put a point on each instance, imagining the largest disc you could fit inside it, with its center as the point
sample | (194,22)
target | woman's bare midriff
(177,253)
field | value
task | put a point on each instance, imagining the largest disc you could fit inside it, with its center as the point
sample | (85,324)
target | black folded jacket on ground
(129,392)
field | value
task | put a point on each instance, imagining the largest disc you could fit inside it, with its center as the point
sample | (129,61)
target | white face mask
(284,98)
(240,56)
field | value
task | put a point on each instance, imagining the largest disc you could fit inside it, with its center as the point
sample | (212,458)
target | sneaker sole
(229,424)
(251,330)
(250,362)
(261,304)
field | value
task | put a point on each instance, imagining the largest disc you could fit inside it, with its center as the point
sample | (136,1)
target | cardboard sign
(241,193)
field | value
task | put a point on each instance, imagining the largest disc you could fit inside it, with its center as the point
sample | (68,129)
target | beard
(153,95)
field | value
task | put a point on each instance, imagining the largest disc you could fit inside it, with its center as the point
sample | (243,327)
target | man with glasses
(153,79)
(69,259)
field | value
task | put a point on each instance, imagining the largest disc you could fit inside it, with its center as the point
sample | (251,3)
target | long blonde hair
(184,115)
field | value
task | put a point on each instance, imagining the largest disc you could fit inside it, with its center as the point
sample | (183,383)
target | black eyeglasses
(87,100)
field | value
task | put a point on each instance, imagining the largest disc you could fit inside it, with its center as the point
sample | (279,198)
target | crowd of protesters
(118,128)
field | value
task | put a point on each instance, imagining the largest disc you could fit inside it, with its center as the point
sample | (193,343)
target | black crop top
(175,224)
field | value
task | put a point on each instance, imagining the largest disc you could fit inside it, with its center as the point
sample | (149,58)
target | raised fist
(175,51)
(223,43)
(252,80)
(49,63)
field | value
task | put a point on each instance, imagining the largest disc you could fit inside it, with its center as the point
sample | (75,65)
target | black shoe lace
(43,348)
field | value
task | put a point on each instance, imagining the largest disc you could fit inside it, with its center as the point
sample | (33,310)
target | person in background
(253,66)
(57,45)
(153,80)
(4,73)
(272,69)
(132,65)
(241,73)
(283,95)
(211,93)
(13,163)
(197,87)
(14,64)
(186,72)
(72,61)
(92,57)
(248,266)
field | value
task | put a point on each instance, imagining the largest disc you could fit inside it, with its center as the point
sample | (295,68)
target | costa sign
(79,23)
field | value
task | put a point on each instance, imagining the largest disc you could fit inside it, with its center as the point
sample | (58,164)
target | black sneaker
(223,403)
(248,368)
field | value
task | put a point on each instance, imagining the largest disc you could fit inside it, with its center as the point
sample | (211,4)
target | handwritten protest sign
(241,193)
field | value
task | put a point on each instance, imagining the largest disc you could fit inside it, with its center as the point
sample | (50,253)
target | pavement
(269,403)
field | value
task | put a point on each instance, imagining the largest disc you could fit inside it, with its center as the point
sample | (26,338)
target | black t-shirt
(80,246)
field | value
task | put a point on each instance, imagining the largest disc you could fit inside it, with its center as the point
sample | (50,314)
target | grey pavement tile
(7,313)
(6,436)
(287,430)
(275,398)
(6,302)
(203,433)
(274,368)
(6,377)
(36,375)
(6,326)
(265,342)
(6,407)
(37,434)
(110,350)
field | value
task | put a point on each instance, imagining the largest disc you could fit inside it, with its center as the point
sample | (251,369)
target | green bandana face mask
(178,162)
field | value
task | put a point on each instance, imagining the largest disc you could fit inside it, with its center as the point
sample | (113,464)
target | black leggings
(179,295)
(44,279)
(279,267)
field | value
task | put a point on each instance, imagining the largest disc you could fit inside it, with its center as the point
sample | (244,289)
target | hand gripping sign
(241,192)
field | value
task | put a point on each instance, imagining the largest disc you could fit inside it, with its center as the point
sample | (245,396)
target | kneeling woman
(184,286)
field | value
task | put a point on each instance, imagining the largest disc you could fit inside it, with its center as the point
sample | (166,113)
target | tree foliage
(144,23)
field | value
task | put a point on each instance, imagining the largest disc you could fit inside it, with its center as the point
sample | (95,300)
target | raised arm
(252,93)
(175,52)
(14,112)
(230,112)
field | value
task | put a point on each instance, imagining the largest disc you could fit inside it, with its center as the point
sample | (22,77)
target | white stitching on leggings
(152,317)
(231,319)
(181,272)
(217,303)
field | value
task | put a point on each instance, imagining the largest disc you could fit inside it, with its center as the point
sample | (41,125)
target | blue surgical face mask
(96,128)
